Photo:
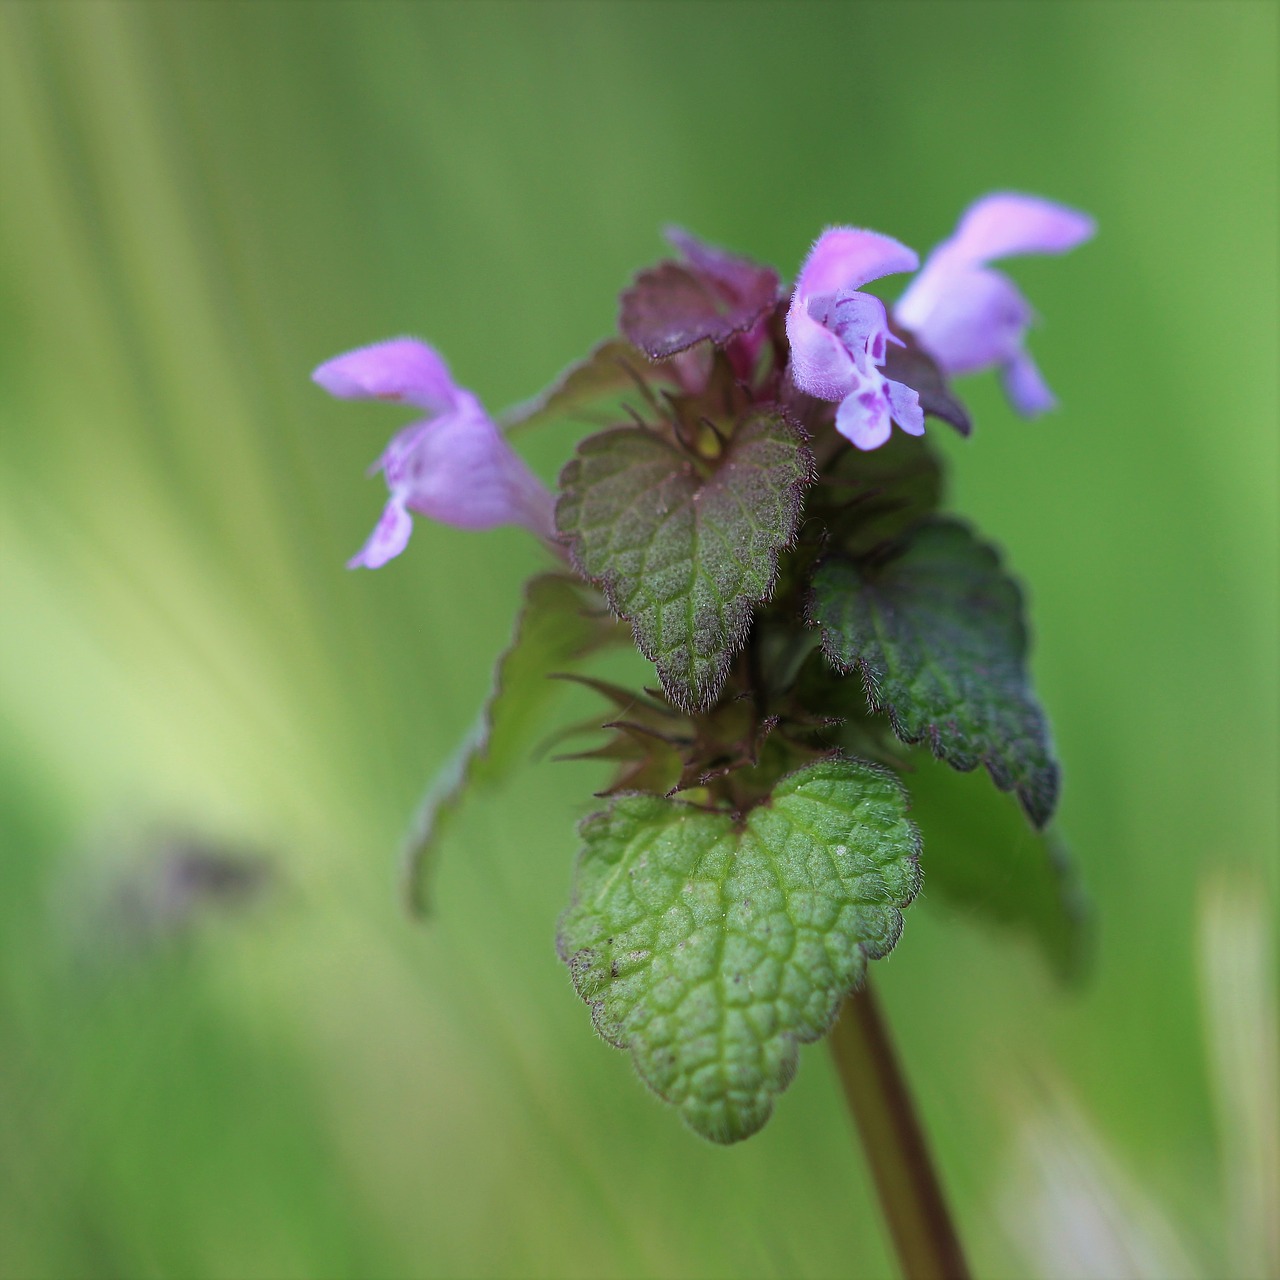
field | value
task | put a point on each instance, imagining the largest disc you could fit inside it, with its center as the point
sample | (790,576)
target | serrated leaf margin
(738,626)
(1039,803)
(792,1041)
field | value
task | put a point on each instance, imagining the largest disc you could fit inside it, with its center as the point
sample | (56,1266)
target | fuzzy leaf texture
(682,555)
(712,950)
(866,499)
(937,634)
(710,296)
(983,859)
(556,628)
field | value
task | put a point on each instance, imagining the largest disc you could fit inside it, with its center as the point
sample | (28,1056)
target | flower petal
(820,364)
(1007,223)
(402,369)
(841,260)
(860,322)
(848,258)
(996,226)
(461,470)
(1026,387)
(863,418)
(389,538)
(904,403)
(977,320)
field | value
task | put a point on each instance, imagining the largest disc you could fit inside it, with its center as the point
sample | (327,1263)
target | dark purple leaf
(710,296)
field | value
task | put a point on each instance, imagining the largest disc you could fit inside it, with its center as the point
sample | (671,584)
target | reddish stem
(911,1198)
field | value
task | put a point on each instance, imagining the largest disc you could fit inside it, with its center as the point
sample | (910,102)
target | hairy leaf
(712,950)
(557,627)
(867,498)
(712,295)
(682,555)
(937,634)
(981,857)
(828,712)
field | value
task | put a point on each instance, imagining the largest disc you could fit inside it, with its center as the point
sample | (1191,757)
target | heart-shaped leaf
(712,949)
(938,636)
(684,550)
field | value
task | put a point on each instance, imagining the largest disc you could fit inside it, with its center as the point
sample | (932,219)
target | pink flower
(455,466)
(839,337)
(969,317)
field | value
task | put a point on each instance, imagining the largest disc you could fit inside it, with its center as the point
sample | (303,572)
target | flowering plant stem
(751,519)
(911,1198)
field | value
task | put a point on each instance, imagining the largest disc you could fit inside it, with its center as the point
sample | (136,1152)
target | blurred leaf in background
(201,202)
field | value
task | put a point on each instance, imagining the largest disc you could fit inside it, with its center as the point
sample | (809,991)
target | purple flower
(969,317)
(839,337)
(455,466)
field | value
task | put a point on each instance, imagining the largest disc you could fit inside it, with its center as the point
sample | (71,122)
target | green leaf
(937,635)
(867,498)
(683,550)
(610,370)
(981,857)
(712,949)
(829,712)
(557,626)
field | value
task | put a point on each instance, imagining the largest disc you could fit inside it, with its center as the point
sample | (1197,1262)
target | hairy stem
(910,1193)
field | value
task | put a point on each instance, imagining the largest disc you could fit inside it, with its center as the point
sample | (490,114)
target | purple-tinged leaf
(711,296)
(937,634)
(685,550)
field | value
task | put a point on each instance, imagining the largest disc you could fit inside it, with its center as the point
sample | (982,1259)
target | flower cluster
(457,467)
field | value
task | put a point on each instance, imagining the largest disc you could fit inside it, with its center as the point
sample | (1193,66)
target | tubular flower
(839,337)
(455,466)
(969,317)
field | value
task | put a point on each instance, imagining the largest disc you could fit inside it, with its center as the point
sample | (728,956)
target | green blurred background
(200,202)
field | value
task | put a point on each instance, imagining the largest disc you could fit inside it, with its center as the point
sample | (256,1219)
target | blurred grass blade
(1239,996)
